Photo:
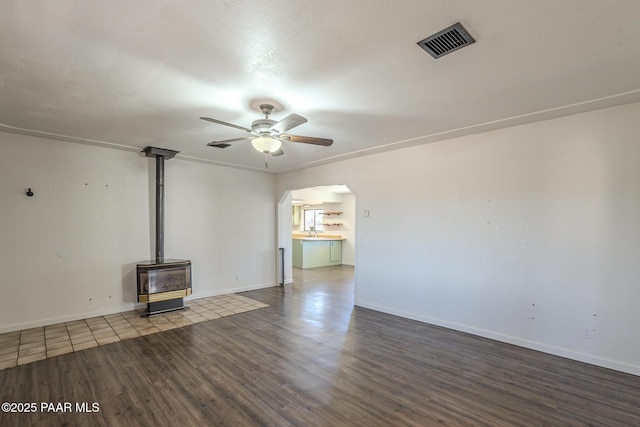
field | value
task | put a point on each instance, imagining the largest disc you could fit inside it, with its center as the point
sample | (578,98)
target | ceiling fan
(267,135)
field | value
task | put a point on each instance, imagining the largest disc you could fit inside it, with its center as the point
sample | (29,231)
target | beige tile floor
(31,345)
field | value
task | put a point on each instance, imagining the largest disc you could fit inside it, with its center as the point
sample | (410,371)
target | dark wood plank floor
(312,359)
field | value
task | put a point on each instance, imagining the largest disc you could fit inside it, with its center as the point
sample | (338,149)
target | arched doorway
(335,205)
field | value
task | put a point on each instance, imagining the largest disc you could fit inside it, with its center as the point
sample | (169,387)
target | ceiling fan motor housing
(263,126)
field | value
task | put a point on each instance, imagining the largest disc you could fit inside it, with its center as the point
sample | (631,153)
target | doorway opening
(316,228)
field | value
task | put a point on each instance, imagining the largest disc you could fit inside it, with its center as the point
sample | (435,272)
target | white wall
(327,219)
(283,231)
(348,229)
(70,251)
(222,219)
(347,219)
(529,234)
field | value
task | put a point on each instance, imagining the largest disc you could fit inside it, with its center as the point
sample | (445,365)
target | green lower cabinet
(316,253)
(335,252)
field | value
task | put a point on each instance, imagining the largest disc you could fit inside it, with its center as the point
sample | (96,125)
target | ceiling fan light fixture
(266,144)
(267,135)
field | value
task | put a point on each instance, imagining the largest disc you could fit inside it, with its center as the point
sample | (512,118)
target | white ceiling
(134,73)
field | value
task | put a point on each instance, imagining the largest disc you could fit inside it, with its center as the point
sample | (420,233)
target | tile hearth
(31,345)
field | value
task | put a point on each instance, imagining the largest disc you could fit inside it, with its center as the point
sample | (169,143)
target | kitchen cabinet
(335,251)
(295,215)
(316,252)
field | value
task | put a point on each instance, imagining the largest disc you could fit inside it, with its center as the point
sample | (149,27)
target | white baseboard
(229,291)
(534,345)
(288,280)
(68,318)
(121,309)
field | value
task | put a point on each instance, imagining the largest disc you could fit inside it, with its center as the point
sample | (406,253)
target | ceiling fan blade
(220,122)
(218,145)
(309,140)
(289,122)
(280,152)
(225,143)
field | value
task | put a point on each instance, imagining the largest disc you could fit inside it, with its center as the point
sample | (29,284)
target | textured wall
(528,234)
(70,250)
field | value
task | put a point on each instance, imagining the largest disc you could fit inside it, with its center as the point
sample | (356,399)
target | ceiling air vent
(446,41)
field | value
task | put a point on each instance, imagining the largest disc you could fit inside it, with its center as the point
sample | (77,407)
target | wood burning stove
(162,284)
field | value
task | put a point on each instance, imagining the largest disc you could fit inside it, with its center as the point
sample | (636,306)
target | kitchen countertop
(319,238)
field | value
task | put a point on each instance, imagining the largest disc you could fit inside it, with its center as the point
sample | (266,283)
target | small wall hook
(29,193)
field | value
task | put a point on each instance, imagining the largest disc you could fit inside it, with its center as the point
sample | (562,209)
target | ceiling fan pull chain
(266,156)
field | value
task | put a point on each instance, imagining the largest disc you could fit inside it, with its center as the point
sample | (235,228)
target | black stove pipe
(159,209)
(160,154)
